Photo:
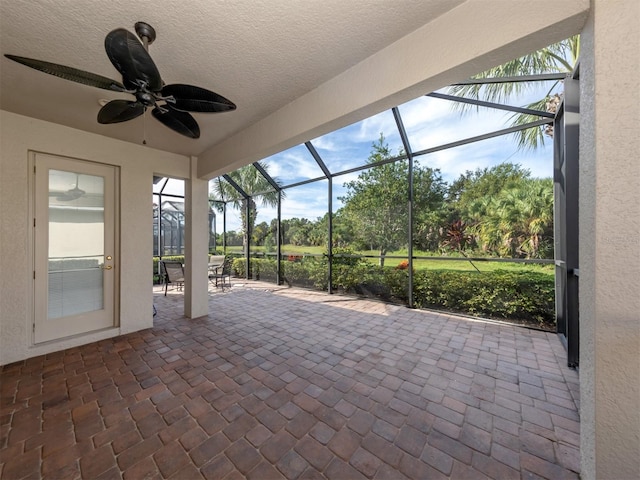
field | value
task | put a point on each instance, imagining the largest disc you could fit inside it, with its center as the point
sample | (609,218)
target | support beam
(407,149)
(196,205)
(497,106)
(329,177)
(279,241)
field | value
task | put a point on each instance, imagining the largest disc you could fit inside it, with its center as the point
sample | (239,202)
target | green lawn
(453,265)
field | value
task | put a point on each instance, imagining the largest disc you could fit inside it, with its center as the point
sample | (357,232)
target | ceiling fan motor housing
(145,97)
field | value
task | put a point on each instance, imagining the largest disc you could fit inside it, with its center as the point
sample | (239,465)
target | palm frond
(531,138)
(560,57)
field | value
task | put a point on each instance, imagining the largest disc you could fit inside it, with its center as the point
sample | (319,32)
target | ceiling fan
(169,104)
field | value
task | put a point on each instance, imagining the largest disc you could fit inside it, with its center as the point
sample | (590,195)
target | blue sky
(429,122)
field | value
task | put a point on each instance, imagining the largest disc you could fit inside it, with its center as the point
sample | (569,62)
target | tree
(483,182)
(234,238)
(465,198)
(259,233)
(343,234)
(299,233)
(376,203)
(501,210)
(251,181)
(429,212)
(271,240)
(560,57)
(319,231)
(517,221)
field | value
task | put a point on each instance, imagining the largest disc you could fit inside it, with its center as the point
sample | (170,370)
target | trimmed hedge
(293,273)
(524,297)
(527,296)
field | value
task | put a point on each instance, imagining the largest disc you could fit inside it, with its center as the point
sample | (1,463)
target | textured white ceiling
(261,54)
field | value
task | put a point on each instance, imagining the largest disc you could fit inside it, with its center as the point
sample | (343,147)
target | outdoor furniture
(222,272)
(215,267)
(173,272)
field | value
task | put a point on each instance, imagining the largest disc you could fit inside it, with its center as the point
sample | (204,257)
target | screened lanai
(299,201)
(99,404)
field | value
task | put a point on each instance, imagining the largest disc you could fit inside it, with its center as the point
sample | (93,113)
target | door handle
(108,267)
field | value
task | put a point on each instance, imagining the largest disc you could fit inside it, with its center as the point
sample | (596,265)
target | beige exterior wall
(18,136)
(610,242)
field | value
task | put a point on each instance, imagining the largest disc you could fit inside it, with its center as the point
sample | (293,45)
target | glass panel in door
(76,243)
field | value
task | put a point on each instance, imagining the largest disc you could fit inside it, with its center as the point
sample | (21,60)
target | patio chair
(223,272)
(173,272)
(215,266)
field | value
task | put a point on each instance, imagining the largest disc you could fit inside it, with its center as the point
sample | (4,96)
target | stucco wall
(609,242)
(19,135)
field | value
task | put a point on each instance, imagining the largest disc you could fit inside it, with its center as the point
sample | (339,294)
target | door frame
(31,164)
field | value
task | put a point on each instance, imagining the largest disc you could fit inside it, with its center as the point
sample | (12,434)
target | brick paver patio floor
(287,383)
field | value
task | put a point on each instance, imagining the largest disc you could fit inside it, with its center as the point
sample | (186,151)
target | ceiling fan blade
(196,99)
(181,122)
(69,73)
(132,60)
(117,111)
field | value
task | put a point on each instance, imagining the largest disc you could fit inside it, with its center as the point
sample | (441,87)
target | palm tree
(517,222)
(535,204)
(255,185)
(560,57)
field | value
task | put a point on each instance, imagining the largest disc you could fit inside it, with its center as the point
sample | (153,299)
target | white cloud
(370,129)
(326,143)
(293,165)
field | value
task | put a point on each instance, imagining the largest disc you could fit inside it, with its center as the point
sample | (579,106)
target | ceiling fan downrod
(146,33)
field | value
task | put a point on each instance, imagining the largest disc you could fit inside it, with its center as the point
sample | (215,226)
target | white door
(75,247)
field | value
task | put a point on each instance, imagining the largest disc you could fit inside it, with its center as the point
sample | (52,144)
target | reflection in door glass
(76,243)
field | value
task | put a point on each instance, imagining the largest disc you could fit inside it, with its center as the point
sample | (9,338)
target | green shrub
(398,282)
(358,277)
(347,260)
(527,296)
(239,267)
(305,272)
(264,269)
